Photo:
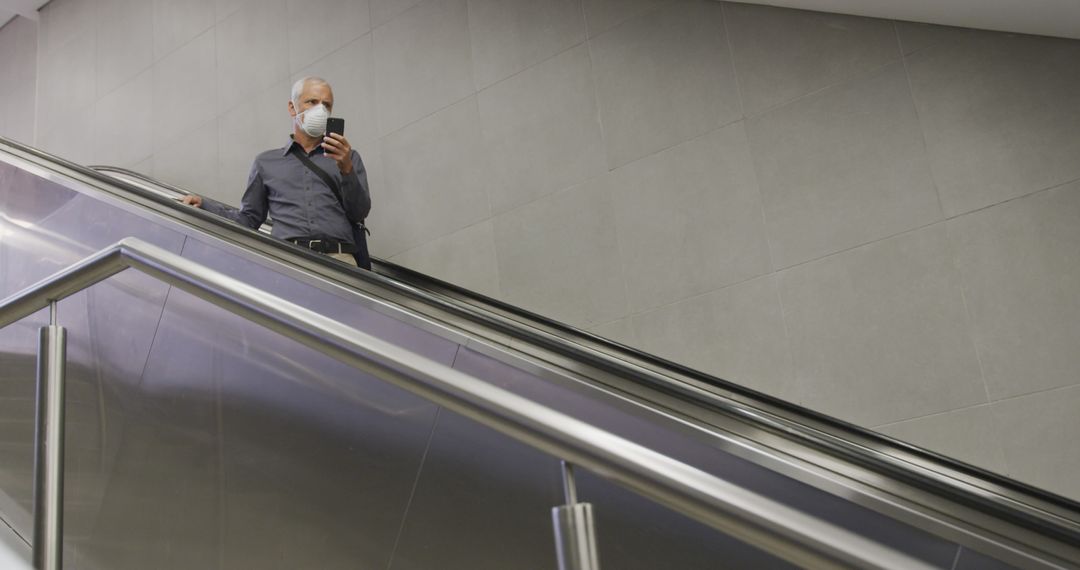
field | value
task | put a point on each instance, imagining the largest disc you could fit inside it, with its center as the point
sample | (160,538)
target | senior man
(315,188)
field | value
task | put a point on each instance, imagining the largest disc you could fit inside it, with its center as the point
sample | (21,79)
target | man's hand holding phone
(336,146)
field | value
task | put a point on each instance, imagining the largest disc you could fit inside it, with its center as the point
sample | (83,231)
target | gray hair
(298,88)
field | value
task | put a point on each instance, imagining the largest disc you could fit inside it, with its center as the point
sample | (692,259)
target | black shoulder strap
(329,180)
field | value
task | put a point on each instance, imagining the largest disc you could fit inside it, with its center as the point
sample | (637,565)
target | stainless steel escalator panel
(46,227)
(277,466)
(17,369)
(702,450)
(489,509)
(243,449)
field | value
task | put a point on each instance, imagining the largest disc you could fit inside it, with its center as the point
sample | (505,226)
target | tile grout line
(746,136)
(989,404)
(596,176)
(925,226)
(692,297)
(918,121)
(479,129)
(969,320)
(858,76)
(607,166)
(930,415)
(860,245)
(1036,393)
(1030,194)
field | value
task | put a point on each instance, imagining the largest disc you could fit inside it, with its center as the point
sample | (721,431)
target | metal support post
(49,447)
(575,530)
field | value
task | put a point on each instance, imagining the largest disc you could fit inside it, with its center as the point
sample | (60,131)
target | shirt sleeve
(253,206)
(356,193)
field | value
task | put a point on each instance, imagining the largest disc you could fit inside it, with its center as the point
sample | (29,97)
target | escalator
(200,440)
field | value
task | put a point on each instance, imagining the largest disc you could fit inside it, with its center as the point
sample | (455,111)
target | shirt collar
(292,142)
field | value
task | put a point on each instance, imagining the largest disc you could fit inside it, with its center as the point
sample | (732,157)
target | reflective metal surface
(575,537)
(728,508)
(207,442)
(49,448)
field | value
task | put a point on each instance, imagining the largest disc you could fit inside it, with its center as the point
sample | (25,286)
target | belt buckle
(315,243)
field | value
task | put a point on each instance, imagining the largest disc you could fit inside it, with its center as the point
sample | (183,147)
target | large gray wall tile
(1021,280)
(225,8)
(541,130)
(842,167)
(736,333)
(144,166)
(422,62)
(185,89)
(18,91)
(781,54)
(509,36)
(351,73)
(466,258)
(318,27)
(1000,115)
(66,81)
(970,435)
(689,219)
(260,124)
(879,333)
(73,138)
(602,15)
(252,53)
(382,11)
(662,78)
(433,175)
(7,86)
(18,54)
(176,22)
(63,20)
(1040,441)
(125,43)
(191,162)
(915,36)
(123,123)
(558,256)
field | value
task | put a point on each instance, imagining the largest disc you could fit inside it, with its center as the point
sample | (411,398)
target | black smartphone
(335,125)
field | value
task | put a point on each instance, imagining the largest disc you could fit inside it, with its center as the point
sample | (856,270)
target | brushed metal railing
(750,517)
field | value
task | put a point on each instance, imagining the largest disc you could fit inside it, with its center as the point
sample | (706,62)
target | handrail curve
(785,532)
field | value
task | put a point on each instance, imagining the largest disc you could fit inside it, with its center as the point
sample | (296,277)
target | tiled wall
(18,76)
(876,219)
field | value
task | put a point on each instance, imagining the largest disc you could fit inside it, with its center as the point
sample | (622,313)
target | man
(304,207)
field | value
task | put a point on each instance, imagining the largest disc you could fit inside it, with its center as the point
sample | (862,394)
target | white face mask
(314,120)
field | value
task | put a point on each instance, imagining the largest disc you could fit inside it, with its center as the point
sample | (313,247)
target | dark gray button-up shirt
(300,203)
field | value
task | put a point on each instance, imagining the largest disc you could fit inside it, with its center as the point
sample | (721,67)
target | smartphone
(335,125)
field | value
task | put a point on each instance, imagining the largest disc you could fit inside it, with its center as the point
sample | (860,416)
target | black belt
(325,245)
